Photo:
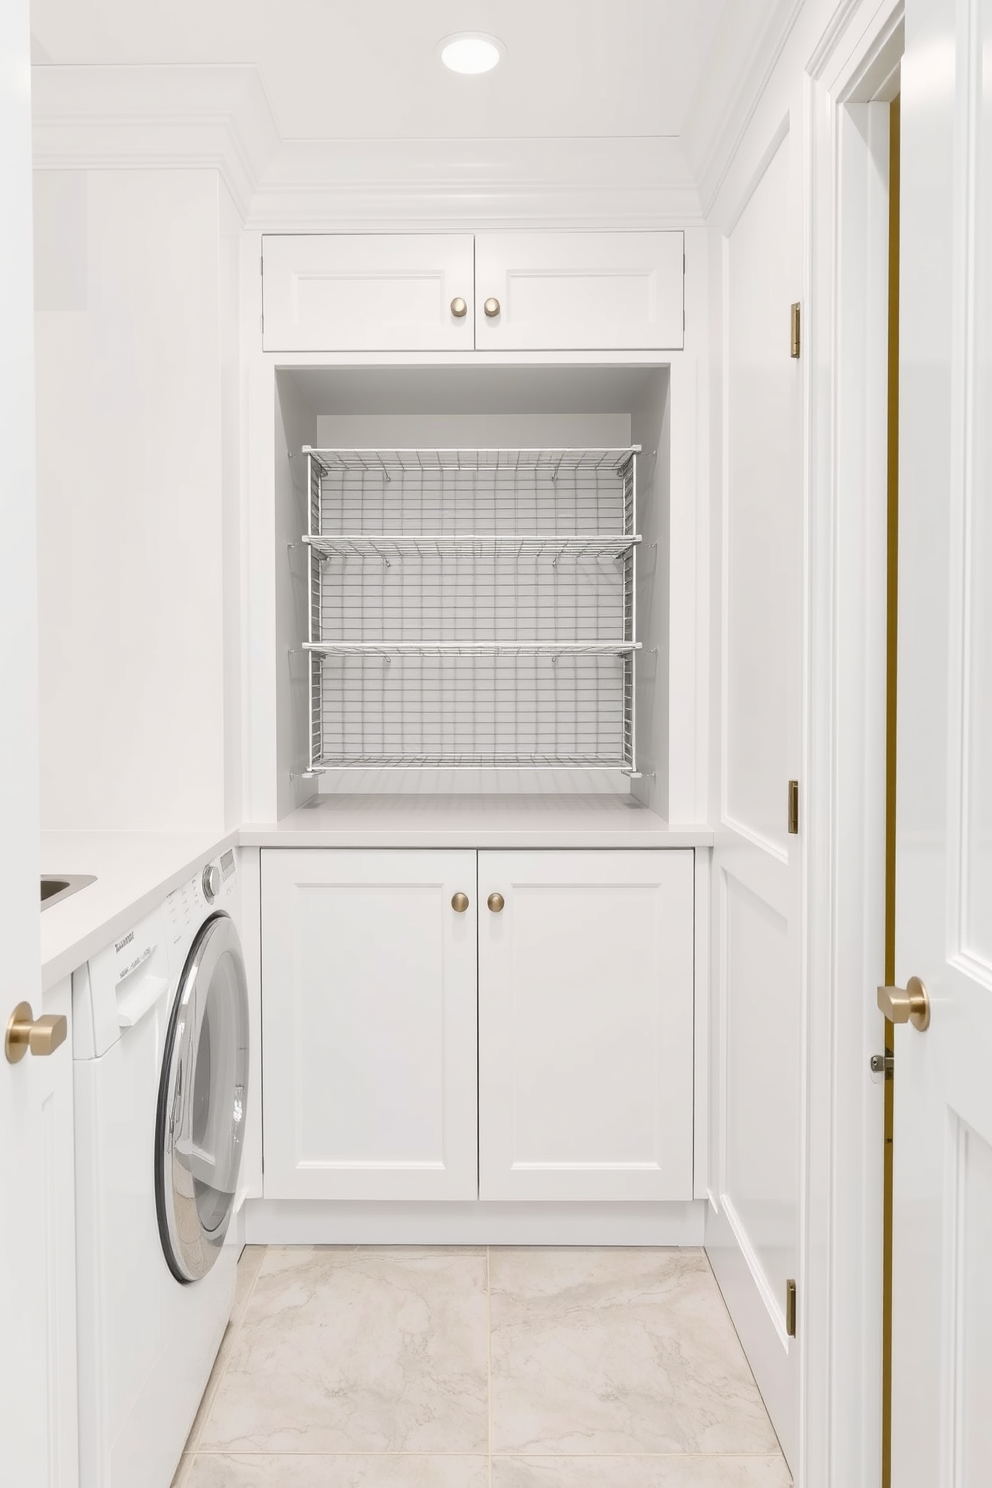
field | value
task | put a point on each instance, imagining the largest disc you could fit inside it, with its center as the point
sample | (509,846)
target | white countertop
(473,821)
(134,872)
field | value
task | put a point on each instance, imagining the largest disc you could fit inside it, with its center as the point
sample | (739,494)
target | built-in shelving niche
(477,576)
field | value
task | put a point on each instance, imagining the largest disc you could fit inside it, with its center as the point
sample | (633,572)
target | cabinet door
(610,291)
(369,1025)
(585,1025)
(366,292)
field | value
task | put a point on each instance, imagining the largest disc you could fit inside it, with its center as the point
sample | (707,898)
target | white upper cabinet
(524,291)
(585,1025)
(369,1024)
(367,292)
(570,291)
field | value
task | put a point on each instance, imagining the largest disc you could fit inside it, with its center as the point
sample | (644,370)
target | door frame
(850,80)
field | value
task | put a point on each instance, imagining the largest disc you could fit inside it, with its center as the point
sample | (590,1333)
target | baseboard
(768,1350)
(305,1222)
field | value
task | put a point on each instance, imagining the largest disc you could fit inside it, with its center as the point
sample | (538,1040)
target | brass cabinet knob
(495,902)
(909,1004)
(491,308)
(459,308)
(41,1035)
(459,903)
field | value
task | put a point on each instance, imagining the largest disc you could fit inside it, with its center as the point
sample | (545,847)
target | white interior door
(942,1202)
(753,1224)
(37,1357)
(585,1025)
(369,1024)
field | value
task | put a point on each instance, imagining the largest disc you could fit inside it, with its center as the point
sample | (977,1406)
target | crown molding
(115,118)
(220,117)
(749,42)
(752,37)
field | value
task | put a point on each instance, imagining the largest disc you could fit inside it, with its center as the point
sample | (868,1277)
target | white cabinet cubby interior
(479,602)
(472,607)
(541,1051)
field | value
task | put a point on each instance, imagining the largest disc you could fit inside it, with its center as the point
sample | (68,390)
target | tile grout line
(489,1354)
(191,1450)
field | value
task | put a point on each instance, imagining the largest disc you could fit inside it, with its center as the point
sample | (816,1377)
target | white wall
(233,523)
(129,395)
(651,429)
(295,426)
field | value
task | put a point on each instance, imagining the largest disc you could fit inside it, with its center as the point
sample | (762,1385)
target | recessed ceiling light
(470,51)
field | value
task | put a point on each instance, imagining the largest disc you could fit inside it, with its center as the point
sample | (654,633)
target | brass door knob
(495,902)
(909,1004)
(41,1035)
(459,308)
(459,903)
(491,308)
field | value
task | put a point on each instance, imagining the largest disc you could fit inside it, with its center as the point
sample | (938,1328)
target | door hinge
(793,807)
(790,1308)
(795,327)
(882,1064)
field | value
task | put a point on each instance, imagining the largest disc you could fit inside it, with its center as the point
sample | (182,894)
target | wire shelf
(503,761)
(394,546)
(473,648)
(453,492)
(459,709)
(472,608)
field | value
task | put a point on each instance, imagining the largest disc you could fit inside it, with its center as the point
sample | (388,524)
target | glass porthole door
(201,1107)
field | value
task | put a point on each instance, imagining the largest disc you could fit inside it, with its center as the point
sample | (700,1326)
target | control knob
(211,882)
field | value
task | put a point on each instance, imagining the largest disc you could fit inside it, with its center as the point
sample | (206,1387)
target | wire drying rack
(472,608)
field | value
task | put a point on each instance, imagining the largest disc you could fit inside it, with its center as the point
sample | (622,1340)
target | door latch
(882,1064)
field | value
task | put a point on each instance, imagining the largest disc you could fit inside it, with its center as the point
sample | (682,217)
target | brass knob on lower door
(495,902)
(459,308)
(41,1035)
(909,1004)
(459,903)
(491,308)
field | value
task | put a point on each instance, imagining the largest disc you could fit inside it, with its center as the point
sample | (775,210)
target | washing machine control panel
(208,888)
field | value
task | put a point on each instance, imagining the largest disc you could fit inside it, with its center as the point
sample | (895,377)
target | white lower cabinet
(368,1025)
(585,1025)
(582,963)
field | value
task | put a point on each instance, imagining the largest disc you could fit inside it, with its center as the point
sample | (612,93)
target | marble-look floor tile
(640,1472)
(243,1470)
(248,1265)
(358,1349)
(615,1352)
(180,1479)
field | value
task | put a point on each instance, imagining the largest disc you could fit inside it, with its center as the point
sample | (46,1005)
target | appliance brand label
(123,972)
(126,941)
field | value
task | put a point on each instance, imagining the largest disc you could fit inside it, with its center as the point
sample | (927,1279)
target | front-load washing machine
(160,1047)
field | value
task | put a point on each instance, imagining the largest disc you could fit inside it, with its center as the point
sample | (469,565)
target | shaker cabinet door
(369,1024)
(574,291)
(585,1025)
(367,292)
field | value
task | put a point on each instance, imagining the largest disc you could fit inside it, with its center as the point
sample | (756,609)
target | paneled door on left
(38,1438)
(369,1024)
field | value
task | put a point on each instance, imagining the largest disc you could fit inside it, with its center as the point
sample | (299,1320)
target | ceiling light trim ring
(470,53)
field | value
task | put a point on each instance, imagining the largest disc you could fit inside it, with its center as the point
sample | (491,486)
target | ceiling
(367,69)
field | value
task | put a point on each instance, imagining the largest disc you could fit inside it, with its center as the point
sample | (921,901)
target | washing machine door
(201,1106)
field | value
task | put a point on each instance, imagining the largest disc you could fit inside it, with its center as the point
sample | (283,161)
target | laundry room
(493,615)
